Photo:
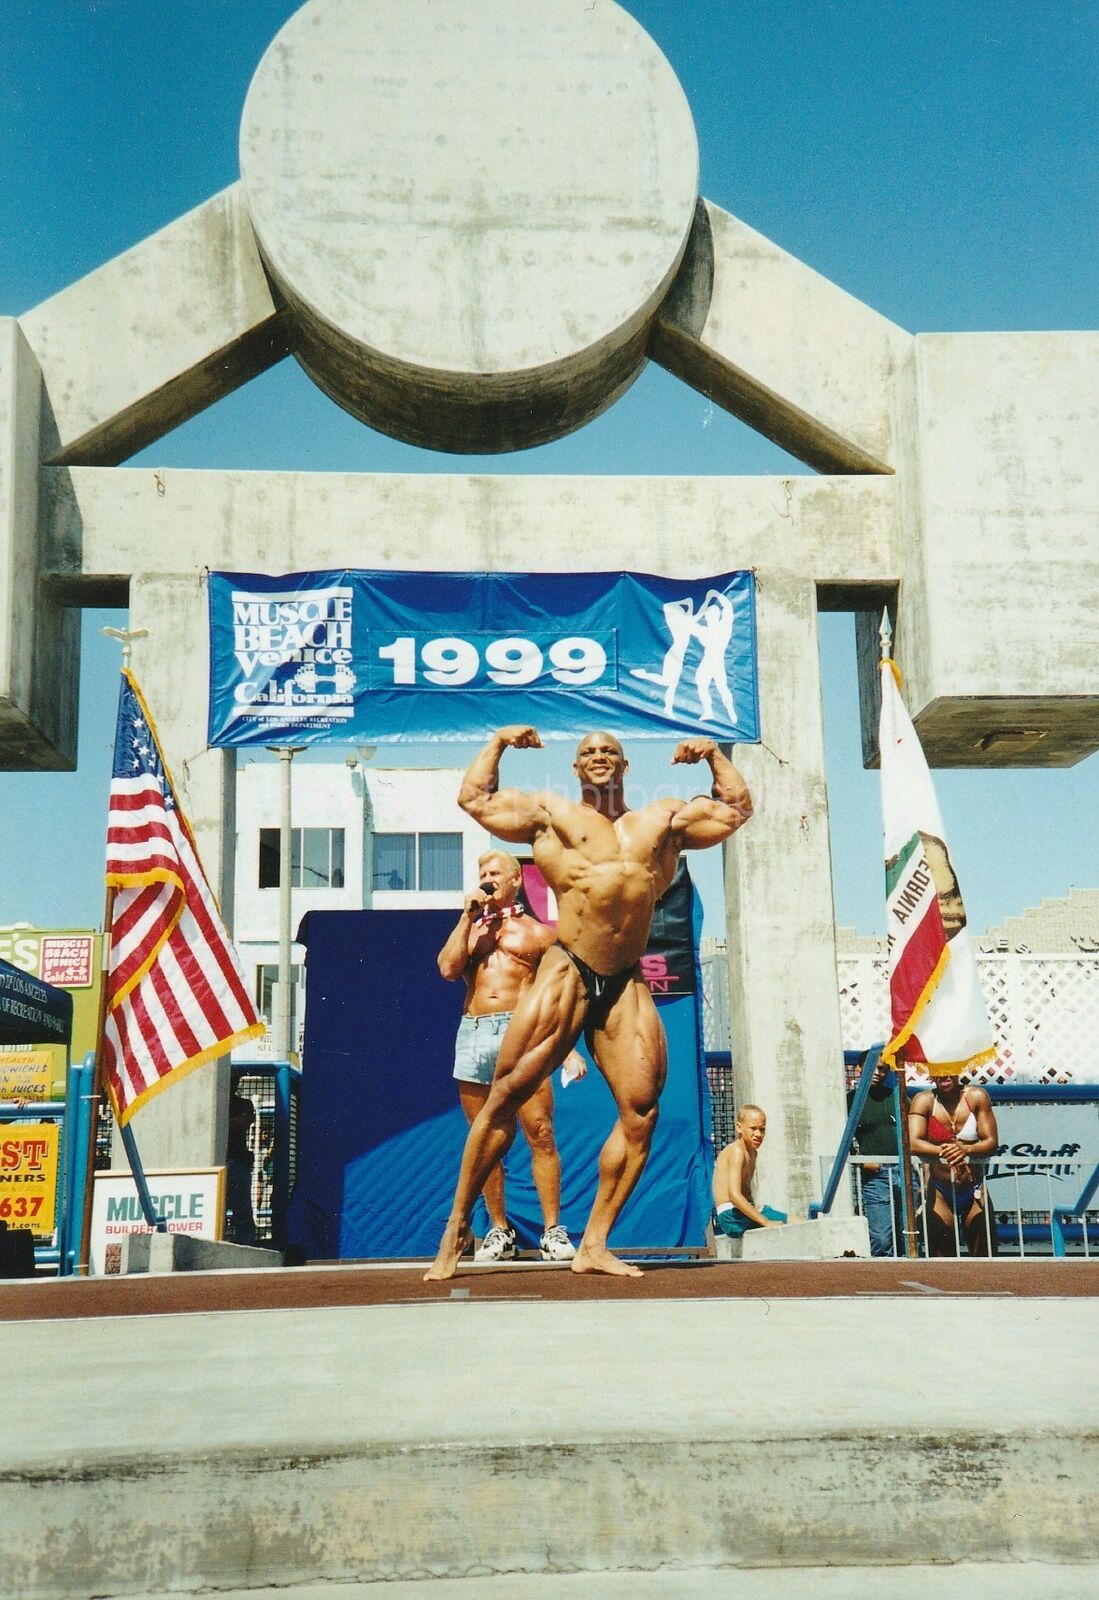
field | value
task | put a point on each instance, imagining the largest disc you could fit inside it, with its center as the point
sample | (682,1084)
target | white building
(362,837)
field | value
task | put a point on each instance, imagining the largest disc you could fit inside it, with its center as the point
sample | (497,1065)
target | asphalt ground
(401,1283)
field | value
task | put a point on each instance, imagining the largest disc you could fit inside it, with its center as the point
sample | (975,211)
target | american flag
(176,996)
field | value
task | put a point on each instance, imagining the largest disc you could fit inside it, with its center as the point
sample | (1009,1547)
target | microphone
(487,888)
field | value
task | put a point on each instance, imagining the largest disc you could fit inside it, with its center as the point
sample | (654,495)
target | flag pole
(83,1264)
(84,1255)
(904,1146)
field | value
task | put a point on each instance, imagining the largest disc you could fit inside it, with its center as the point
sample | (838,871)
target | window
(394,861)
(316,858)
(269,858)
(440,861)
(266,979)
(429,861)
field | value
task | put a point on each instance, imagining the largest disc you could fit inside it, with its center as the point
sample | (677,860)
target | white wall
(362,802)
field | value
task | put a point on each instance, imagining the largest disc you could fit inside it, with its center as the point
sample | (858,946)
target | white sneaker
(498,1244)
(556,1245)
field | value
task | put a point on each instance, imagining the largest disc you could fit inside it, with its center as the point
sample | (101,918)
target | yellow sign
(28,1175)
(25,1074)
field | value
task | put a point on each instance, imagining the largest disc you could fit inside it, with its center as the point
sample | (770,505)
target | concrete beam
(823,1239)
(781,347)
(37,706)
(156,335)
(100,526)
(999,536)
(180,1252)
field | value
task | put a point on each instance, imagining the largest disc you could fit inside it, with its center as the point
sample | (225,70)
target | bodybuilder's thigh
(545,1025)
(630,1049)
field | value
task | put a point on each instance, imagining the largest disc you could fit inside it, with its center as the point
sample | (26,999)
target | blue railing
(45,1255)
(73,1114)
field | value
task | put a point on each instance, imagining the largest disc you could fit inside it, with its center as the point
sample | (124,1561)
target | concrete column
(783,1001)
(37,704)
(187,1125)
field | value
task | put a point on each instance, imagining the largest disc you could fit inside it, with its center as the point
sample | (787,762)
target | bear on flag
(939,1017)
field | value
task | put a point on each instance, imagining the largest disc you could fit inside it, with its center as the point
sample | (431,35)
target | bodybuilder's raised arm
(510,814)
(702,822)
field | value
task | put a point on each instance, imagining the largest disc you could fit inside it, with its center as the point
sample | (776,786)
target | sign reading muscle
(385,656)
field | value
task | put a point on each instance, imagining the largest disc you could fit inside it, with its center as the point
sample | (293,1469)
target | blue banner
(343,657)
(33,1012)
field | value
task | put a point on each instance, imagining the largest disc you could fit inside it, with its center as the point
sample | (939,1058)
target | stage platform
(520,1433)
(389,1283)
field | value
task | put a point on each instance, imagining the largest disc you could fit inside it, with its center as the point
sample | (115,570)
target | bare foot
(456,1238)
(597,1258)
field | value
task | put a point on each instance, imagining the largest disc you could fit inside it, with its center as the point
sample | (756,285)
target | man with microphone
(496,947)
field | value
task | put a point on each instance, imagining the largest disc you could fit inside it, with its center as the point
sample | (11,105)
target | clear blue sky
(936,158)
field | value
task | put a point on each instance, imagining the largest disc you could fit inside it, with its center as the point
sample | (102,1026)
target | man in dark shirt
(876,1135)
(238,1169)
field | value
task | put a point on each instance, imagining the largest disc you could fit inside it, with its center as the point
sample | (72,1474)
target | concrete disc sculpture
(473,209)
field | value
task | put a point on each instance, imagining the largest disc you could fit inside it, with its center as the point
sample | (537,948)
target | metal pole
(904,1156)
(95,1093)
(900,1096)
(280,1165)
(148,1210)
(125,637)
(885,634)
(286,754)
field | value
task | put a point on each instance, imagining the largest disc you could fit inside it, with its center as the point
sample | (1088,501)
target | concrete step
(484,1442)
(999,1581)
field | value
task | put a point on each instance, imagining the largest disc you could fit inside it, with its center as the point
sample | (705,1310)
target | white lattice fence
(1044,1012)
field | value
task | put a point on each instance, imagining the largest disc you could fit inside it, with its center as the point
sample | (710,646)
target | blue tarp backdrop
(381,1133)
(325,657)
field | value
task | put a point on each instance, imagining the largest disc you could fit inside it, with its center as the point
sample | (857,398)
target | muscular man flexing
(496,947)
(608,866)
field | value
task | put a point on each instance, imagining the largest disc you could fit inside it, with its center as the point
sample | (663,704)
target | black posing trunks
(602,990)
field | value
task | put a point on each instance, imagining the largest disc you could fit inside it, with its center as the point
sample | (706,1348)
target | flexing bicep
(702,822)
(510,814)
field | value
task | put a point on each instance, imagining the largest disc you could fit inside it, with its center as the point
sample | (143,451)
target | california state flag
(939,1014)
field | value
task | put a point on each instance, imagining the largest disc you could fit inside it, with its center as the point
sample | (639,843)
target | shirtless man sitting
(608,866)
(496,947)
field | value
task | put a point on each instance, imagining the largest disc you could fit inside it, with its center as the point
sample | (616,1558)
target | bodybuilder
(607,866)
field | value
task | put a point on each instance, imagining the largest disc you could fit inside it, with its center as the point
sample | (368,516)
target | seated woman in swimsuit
(951,1127)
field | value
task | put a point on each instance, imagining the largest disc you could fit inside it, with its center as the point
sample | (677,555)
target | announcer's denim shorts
(478,1045)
